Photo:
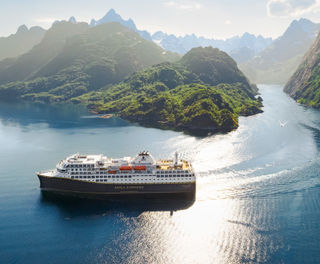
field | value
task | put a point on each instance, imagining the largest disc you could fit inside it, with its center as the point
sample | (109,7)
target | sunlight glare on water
(257,191)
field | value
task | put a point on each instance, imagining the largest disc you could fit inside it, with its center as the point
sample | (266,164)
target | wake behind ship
(102,177)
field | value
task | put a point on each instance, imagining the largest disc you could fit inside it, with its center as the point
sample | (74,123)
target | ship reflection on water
(82,205)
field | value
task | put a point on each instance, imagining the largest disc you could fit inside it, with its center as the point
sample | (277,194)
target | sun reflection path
(214,231)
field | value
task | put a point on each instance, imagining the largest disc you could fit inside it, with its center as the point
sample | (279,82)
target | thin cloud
(227,22)
(292,8)
(183,6)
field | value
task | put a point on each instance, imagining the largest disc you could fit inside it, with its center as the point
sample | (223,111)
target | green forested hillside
(304,85)
(204,92)
(74,59)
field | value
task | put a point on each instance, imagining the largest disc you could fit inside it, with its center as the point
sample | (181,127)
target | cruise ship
(101,176)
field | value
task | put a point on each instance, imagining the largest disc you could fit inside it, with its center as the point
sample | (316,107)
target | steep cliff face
(304,85)
(279,61)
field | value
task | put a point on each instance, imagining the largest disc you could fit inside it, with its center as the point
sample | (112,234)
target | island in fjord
(201,93)
(113,70)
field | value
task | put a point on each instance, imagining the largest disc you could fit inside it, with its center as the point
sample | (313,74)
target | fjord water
(258,190)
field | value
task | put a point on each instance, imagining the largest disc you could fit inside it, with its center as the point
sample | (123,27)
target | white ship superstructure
(142,169)
(127,174)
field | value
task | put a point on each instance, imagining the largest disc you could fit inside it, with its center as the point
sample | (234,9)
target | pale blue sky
(209,18)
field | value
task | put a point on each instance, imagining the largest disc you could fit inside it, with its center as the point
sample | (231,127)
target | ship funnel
(176,158)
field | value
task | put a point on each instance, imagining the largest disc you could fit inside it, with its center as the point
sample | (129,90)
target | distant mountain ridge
(28,64)
(235,46)
(278,61)
(74,58)
(304,84)
(113,16)
(20,42)
(184,44)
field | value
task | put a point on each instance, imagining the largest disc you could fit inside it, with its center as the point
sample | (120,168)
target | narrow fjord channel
(258,190)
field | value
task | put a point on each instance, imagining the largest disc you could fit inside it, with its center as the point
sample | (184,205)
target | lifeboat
(140,168)
(112,171)
(125,168)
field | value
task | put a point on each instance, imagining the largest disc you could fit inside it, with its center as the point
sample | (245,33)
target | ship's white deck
(100,169)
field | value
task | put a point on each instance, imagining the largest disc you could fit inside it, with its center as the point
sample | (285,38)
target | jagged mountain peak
(113,16)
(301,25)
(22,29)
(72,20)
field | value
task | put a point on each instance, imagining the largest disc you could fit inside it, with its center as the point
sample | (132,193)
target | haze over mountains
(111,66)
(231,45)
(183,44)
(79,63)
(20,42)
(279,60)
(74,58)
(261,59)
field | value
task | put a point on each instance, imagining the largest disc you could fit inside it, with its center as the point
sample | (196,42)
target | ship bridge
(144,158)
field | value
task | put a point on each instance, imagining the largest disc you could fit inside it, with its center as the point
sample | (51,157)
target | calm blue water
(258,196)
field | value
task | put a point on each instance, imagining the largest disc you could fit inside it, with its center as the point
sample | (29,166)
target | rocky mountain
(203,93)
(20,42)
(113,16)
(278,61)
(232,45)
(304,85)
(74,58)
(182,45)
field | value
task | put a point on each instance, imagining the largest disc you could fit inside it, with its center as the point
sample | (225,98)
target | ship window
(72,177)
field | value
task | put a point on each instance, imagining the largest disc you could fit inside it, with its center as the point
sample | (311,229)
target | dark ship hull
(87,189)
